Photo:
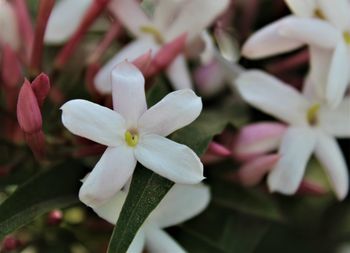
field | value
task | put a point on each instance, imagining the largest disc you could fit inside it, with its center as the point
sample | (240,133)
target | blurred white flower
(133,133)
(181,203)
(171,19)
(313,128)
(9,33)
(324,26)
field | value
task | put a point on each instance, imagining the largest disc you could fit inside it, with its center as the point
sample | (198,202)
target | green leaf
(147,189)
(39,195)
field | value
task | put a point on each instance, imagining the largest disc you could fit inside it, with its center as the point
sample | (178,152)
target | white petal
(110,210)
(268,42)
(94,122)
(296,148)
(138,244)
(109,175)
(158,241)
(174,111)
(329,154)
(194,17)
(337,12)
(9,32)
(180,204)
(130,52)
(303,8)
(128,91)
(336,121)
(165,12)
(65,19)
(179,74)
(130,13)
(169,159)
(310,31)
(272,96)
(338,78)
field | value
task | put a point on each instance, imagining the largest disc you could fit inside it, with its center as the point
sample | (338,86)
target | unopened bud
(41,88)
(55,217)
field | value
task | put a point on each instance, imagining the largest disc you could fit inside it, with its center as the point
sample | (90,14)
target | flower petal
(169,159)
(180,204)
(179,74)
(65,19)
(165,12)
(331,157)
(338,77)
(303,8)
(110,210)
(268,42)
(336,121)
(128,92)
(138,244)
(109,175)
(337,12)
(130,13)
(94,122)
(174,111)
(186,21)
(158,241)
(272,96)
(130,52)
(296,148)
(9,32)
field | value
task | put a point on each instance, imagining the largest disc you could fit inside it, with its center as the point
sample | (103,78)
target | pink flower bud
(54,218)
(36,142)
(253,171)
(218,149)
(308,187)
(143,62)
(257,139)
(28,111)
(41,88)
(10,243)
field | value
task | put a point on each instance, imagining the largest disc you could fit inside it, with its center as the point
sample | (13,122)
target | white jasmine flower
(313,128)
(181,203)
(133,133)
(171,19)
(324,26)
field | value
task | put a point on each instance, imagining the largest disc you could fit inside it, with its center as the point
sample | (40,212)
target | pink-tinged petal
(130,52)
(109,176)
(158,241)
(181,203)
(329,154)
(128,92)
(309,31)
(268,42)
(179,74)
(296,148)
(174,111)
(65,19)
(339,77)
(193,25)
(308,187)
(303,8)
(337,12)
(336,122)
(218,149)
(272,96)
(28,111)
(257,139)
(94,122)
(130,13)
(41,87)
(169,159)
(253,171)
(9,33)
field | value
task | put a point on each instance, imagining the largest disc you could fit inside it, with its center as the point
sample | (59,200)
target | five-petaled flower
(312,128)
(133,133)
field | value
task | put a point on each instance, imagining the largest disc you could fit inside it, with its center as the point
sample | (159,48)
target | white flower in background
(133,133)
(171,19)
(323,25)
(313,128)
(65,19)
(181,203)
(9,33)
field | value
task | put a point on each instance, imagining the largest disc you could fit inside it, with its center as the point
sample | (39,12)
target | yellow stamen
(131,138)
(319,14)
(154,32)
(312,114)
(347,37)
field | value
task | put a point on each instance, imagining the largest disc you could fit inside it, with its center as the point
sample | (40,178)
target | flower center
(312,114)
(154,32)
(347,37)
(131,138)
(319,14)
